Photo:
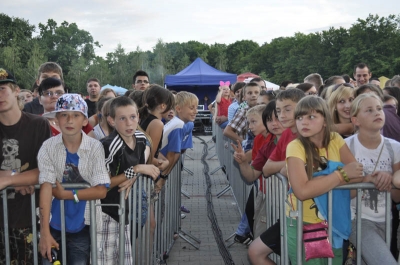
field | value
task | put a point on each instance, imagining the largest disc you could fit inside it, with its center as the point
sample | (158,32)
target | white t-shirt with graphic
(373,202)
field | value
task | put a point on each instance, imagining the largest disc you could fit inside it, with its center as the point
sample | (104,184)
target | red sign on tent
(244,76)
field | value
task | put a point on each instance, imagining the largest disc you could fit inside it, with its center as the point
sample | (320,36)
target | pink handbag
(316,242)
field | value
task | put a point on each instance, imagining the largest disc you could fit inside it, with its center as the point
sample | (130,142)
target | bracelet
(75,193)
(165,177)
(338,175)
(343,173)
(130,173)
(13,172)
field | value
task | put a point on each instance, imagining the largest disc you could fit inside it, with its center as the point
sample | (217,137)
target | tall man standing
(140,80)
(93,88)
(21,136)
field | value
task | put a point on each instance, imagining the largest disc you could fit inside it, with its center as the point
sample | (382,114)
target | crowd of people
(320,135)
(52,137)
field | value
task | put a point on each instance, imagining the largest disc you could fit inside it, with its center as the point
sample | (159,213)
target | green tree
(119,66)
(217,56)
(66,43)
(162,62)
(237,53)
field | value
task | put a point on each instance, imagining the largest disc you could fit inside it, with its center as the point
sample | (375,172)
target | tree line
(373,40)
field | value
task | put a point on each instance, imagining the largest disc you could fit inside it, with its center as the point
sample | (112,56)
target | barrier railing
(275,194)
(93,225)
(237,184)
(359,187)
(147,247)
(169,219)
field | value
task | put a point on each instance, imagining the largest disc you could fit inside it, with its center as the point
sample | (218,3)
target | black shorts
(272,237)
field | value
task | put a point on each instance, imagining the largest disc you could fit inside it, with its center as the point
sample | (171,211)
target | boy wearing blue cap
(70,157)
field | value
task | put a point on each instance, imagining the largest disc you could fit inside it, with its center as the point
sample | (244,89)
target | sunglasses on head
(271,92)
(344,84)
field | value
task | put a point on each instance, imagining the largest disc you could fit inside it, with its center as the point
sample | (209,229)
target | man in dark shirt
(93,88)
(21,136)
(46,70)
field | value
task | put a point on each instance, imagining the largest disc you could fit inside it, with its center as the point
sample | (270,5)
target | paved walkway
(197,222)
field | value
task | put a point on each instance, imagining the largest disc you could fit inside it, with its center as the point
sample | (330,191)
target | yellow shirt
(296,149)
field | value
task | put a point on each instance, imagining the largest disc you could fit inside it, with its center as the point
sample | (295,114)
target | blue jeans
(243,228)
(224,124)
(78,246)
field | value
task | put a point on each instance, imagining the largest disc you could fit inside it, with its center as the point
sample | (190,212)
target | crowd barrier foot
(211,147)
(183,234)
(226,240)
(208,158)
(225,190)
(188,171)
(215,170)
(185,193)
(188,156)
(161,262)
(210,141)
(232,243)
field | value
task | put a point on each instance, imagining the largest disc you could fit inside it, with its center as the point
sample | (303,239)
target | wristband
(13,172)
(130,173)
(343,173)
(75,193)
(165,177)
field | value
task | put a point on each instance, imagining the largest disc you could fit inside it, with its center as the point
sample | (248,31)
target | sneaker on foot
(184,209)
(245,240)
(183,216)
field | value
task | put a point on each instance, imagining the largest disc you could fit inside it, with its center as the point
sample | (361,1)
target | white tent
(117,89)
(269,85)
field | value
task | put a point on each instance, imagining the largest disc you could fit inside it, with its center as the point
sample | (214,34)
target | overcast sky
(140,23)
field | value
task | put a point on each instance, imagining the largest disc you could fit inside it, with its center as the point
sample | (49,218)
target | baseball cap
(6,77)
(69,102)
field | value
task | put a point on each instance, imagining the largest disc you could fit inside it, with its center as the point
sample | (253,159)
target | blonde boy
(178,131)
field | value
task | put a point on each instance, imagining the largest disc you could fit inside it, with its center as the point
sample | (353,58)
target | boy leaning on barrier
(126,155)
(177,135)
(70,157)
(237,130)
(21,136)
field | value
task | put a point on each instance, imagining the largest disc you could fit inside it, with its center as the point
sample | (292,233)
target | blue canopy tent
(199,78)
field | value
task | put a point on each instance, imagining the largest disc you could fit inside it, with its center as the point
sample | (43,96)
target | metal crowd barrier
(141,252)
(359,187)
(275,193)
(35,241)
(168,218)
(237,184)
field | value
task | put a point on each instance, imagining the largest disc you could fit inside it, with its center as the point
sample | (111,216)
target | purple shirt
(391,128)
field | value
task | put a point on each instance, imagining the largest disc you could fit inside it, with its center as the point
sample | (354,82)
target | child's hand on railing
(354,170)
(149,170)
(126,185)
(162,164)
(382,180)
(58,191)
